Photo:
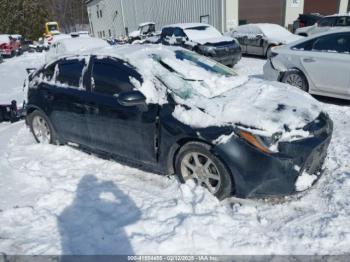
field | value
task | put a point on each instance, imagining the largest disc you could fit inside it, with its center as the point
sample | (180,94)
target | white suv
(325,24)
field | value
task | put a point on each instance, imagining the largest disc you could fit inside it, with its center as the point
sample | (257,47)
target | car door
(328,63)
(242,39)
(65,94)
(129,132)
(255,41)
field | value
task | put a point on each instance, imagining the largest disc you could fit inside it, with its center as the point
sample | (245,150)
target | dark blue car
(171,111)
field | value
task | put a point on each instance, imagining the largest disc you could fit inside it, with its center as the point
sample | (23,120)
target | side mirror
(259,36)
(132,98)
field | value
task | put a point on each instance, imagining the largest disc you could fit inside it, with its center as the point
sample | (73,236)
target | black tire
(225,187)
(300,79)
(53,136)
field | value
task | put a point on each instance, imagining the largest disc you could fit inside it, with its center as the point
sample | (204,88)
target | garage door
(324,7)
(261,11)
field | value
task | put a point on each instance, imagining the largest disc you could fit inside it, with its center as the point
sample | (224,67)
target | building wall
(118,14)
(293,9)
(232,7)
(343,6)
(261,11)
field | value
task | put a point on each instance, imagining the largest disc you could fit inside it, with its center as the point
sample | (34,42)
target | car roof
(332,31)
(185,26)
(338,15)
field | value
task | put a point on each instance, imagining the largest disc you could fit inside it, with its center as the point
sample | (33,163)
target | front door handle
(309,60)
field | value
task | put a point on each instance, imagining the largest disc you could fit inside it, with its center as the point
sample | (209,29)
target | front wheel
(296,78)
(195,162)
(41,128)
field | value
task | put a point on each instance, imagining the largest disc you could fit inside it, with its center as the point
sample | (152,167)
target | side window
(343,21)
(167,32)
(328,21)
(49,72)
(306,46)
(112,77)
(178,32)
(335,43)
(70,72)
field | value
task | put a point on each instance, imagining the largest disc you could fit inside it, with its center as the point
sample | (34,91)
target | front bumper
(270,73)
(259,175)
(5,52)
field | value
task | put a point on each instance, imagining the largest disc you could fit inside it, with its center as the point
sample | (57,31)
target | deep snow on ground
(56,200)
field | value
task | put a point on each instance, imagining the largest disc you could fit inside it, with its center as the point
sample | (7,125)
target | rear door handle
(309,60)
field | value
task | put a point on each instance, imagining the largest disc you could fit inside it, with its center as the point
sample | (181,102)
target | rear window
(70,72)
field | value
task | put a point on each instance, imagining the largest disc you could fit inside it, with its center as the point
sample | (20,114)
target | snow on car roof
(185,26)
(271,30)
(147,23)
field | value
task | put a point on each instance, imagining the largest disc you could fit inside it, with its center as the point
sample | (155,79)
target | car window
(49,72)
(343,21)
(329,21)
(167,32)
(339,43)
(112,77)
(305,46)
(70,72)
(178,32)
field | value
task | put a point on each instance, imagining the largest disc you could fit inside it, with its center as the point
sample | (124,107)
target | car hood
(214,40)
(286,40)
(265,107)
(134,34)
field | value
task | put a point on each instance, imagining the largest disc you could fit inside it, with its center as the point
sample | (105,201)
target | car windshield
(190,74)
(202,32)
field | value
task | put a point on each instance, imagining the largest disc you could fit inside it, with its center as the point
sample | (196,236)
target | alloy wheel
(202,170)
(295,80)
(41,130)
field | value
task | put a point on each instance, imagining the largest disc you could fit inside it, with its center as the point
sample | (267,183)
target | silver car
(259,39)
(319,64)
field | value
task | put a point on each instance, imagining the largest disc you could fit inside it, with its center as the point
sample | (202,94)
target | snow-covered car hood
(269,107)
(212,40)
(135,33)
(305,29)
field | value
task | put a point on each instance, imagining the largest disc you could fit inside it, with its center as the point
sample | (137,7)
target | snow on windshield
(202,32)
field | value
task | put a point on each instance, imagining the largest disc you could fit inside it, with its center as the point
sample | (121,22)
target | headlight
(264,144)
(208,49)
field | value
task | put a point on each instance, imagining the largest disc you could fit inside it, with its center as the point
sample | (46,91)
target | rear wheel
(296,78)
(195,162)
(42,129)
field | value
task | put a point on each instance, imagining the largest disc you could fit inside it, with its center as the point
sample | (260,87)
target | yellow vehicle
(51,28)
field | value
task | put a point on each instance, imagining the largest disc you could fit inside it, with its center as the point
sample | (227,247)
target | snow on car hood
(213,40)
(135,33)
(208,99)
(270,107)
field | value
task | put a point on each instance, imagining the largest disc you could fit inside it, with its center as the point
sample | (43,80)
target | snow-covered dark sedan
(171,111)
